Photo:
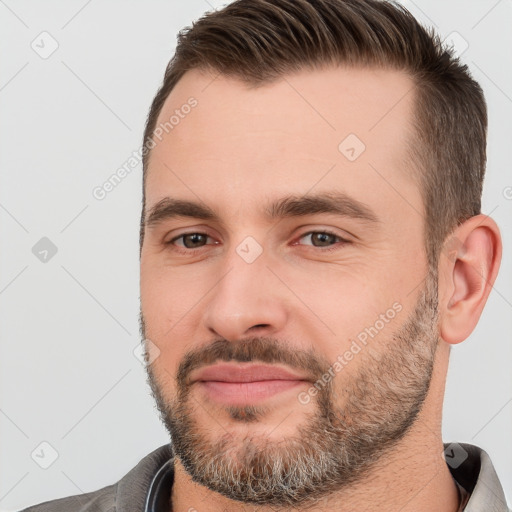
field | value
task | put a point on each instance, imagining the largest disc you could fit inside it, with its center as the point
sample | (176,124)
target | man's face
(349,310)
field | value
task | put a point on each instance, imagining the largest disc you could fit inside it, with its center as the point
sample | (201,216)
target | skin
(234,152)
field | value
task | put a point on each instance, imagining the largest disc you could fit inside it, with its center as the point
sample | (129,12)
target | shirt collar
(478,476)
(159,493)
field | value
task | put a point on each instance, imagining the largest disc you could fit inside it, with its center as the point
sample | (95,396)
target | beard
(336,445)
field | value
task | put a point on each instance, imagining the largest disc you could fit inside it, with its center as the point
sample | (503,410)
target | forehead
(343,128)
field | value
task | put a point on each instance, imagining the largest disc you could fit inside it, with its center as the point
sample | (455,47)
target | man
(312,244)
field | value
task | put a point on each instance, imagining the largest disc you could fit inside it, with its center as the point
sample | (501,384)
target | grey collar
(159,493)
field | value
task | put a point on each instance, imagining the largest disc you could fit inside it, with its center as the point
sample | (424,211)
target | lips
(244,373)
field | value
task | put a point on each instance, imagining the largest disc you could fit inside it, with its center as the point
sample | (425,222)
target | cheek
(348,313)
(168,295)
(169,306)
(345,298)
(164,368)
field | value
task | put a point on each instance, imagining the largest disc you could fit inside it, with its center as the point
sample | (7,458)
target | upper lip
(244,373)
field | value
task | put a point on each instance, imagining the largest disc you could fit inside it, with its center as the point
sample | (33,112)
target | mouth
(231,384)
(240,393)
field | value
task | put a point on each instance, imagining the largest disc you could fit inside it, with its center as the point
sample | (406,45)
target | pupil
(195,239)
(321,237)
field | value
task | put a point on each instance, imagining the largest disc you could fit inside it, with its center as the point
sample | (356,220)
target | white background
(69,326)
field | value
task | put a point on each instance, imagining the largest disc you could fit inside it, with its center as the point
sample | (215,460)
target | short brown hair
(259,41)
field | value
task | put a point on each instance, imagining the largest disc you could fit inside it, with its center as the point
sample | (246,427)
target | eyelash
(336,246)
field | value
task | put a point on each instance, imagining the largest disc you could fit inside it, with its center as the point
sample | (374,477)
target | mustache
(260,349)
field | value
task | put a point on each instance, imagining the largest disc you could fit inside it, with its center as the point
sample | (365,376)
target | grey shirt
(147,487)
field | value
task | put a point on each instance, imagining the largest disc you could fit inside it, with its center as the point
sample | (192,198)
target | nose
(246,301)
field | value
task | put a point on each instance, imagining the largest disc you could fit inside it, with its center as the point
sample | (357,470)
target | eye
(190,241)
(325,240)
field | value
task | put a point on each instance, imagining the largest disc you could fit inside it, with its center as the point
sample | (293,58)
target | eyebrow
(337,203)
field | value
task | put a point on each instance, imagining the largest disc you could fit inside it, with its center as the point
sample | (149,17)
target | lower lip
(240,393)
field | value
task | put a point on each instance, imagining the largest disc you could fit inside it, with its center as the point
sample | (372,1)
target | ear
(468,266)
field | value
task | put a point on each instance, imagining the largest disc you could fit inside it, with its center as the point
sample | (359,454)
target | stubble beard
(335,446)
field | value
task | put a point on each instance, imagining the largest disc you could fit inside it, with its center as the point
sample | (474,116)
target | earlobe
(469,265)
